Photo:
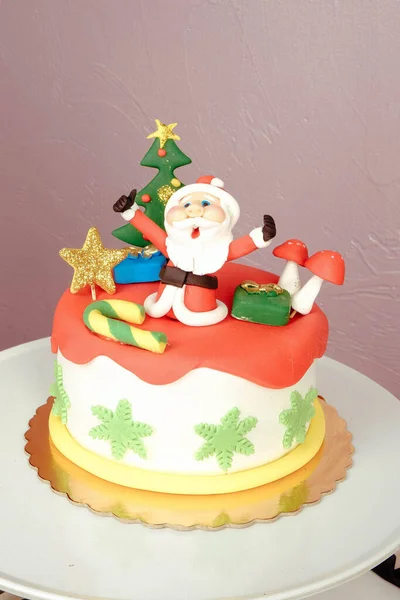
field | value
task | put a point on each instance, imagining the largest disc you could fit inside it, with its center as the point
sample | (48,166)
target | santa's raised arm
(197,240)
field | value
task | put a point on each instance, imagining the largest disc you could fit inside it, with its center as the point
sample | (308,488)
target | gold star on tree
(164,133)
(93,264)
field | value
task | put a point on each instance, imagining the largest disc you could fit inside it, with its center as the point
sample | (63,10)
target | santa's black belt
(177,277)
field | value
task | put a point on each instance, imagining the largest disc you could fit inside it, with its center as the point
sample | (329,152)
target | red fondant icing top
(274,357)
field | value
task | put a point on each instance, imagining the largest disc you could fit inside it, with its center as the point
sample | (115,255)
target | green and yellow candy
(111,319)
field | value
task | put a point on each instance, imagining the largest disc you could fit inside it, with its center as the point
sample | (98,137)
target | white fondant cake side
(173,410)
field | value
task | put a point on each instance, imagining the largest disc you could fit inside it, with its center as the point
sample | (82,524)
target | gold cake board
(286,495)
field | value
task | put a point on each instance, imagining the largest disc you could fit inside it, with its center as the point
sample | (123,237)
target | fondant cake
(204,382)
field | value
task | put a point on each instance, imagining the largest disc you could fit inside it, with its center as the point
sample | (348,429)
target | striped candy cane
(111,318)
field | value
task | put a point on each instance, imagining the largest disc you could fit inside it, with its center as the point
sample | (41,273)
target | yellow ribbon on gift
(146,252)
(252,287)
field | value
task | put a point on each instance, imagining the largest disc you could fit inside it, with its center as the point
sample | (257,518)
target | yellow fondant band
(189,484)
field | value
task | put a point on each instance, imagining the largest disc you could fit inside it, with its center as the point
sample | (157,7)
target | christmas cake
(204,381)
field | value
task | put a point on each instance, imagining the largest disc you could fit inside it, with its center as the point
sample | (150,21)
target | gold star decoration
(164,133)
(93,264)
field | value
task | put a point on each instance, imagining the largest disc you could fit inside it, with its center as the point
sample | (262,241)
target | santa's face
(197,214)
(199,229)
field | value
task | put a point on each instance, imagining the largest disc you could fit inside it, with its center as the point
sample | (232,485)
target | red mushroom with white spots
(295,253)
(325,265)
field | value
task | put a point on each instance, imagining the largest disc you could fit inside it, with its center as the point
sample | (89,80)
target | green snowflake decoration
(296,418)
(61,401)
(120,430)
(226,439)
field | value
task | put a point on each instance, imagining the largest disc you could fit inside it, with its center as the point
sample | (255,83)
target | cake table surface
(59,550)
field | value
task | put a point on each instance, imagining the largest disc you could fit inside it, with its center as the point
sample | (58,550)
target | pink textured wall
(294,104)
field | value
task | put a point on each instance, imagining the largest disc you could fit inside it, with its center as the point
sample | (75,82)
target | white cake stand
(52,549)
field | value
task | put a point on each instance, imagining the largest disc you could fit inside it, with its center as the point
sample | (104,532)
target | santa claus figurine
(197,240)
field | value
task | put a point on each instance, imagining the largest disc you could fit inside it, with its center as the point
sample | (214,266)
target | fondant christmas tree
(164,155)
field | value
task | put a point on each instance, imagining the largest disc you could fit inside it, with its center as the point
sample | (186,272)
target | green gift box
(265,303)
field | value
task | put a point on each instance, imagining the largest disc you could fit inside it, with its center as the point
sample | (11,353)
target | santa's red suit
(187,289)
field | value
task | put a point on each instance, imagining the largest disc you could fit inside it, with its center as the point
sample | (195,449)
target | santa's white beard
(203,255)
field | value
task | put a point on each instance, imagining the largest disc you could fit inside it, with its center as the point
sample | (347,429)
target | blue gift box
(138,268)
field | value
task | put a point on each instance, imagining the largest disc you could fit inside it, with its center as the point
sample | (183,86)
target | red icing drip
(274,357)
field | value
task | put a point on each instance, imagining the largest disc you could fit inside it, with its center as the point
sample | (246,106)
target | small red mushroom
(295,253)
(326,265)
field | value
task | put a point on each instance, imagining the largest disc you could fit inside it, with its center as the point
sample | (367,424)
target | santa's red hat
(211,185)
(210,180)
